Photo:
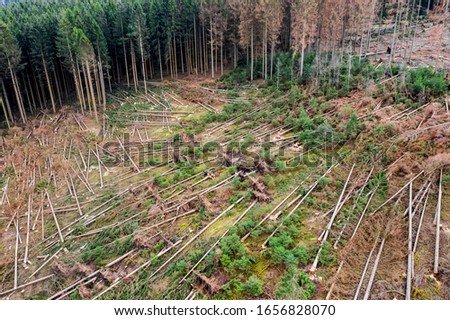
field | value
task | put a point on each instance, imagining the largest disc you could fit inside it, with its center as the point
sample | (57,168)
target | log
(334,283)
(217,242)
(119,280)
(420,223)
(438,226)
(363,275)
(372,194)
(74,192)
(27,241)
(54,217)
(397,193)
(311,189)
(16,257)
(374,271)
(129,157)
(410,252)
(45,263)
(26,285)
(330,223)
(195,237)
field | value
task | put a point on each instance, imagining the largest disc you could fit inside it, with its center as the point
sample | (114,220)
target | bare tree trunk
(49,84)
(92,90)
(272,54)
(8,107)
(394,37)
(252,54)
(212,45)
(4,112)
(88,95)
(58,91)
(410,253)
(265,53)
(195,47)
(126,64)
(160,60)
(23,116)
(438,225)
(102,84)
(133,66)
(141,47)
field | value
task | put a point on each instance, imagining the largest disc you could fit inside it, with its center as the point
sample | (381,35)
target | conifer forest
(225,149)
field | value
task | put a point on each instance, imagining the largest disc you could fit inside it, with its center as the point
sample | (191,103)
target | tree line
(56,51)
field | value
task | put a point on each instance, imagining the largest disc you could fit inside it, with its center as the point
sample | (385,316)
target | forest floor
(104,226)
(423,43)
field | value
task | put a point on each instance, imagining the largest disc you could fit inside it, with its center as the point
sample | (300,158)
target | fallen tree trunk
(366,267)
(330,223)
(438,226)
(195,237)
(25,285)
(217,242)
(374,271)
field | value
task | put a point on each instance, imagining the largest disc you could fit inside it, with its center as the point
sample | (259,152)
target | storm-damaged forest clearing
(225,156)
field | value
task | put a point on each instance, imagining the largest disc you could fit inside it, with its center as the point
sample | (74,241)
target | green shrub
(233,257)
(425,82)
(254,287)
(295,285)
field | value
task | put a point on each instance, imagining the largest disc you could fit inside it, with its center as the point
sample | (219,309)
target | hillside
(325,176)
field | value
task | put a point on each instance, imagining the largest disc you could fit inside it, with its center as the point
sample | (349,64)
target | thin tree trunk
(133,66)
(17,93)
(8,107)
(49,84)
(160,60)
(410,253)
(252,54)
(141,47)
(126,64)
(92,91)
(58,91)
(374,271)
(438,226)
(195,47)
(212,45)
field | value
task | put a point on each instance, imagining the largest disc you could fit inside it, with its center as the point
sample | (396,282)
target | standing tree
(10,55)
(304,14)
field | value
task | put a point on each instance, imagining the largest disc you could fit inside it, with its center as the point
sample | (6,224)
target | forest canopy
(58,51)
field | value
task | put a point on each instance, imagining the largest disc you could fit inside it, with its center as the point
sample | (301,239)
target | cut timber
(334,283)
(330,223)
(438,226)
(217,242)
(74,192)
(54,217)
(26,285)
(410,252)
(270,213)
(420,223)
(363,275)
(127,154)
(27,241)
(89,276)
(311,189)
(16,257)
(142,266)
(45,263)
(374,271)
(195,237)
(372,194)
(397,193)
